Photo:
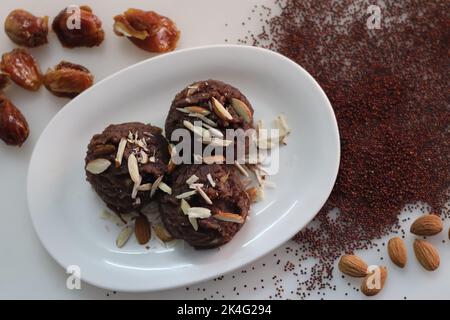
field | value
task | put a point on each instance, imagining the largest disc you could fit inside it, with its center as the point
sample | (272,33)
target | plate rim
(286,237)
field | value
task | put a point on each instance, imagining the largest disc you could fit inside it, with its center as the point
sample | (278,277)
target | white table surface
(28,272)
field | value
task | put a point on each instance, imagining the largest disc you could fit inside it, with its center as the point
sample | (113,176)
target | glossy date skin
(90,33)
(14,128)
(148,30)
(25,29)
(68,79)
(22,68)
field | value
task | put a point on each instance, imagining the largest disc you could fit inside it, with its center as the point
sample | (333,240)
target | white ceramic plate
(66,212)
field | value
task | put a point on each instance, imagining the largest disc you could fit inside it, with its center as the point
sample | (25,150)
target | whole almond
(428,225)
(371,285)
(397,252)
(353,266)
(142,229)
(427,255)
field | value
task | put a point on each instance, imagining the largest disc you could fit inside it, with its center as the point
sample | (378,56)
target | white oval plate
(66,212)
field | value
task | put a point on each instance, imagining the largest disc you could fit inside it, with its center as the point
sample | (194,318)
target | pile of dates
(75,26)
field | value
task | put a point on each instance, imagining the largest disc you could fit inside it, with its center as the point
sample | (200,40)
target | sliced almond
(124,236)
(183,110)
(145,187)
(259,177)
(186,194)
(203,118)
(211,180)
(98,166)
(283,128)
(185,206)
(199,212)
(155,186)
(133,168)
(192,179)
(242,109)
(194,223)
(142,229)
(214,159)
(196,185)
(191,90)
(120,151)
(144,157)
(136,188)
(162,233)
(220,110)
(197,109)
(218,142)
(203,195)
(241,168)
(229,217)
(142,144)
(165,188)
(214,132)
(200,131)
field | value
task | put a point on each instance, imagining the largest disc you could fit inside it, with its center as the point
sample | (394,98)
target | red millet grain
(389,90)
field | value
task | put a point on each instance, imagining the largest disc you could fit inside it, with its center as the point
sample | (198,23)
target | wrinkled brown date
(68,79)
(4,80)
(22,68)
(147,30)
(89,33)
(14,128)
(25,29)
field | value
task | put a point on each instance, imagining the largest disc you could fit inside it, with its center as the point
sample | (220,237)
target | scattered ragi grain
(389,91)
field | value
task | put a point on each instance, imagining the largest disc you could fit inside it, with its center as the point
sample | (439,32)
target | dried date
(78,28)
(14,128)
(68,79)
(23,69)
(147,30)
(25,29)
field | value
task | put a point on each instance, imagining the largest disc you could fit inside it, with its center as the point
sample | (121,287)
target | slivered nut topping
(228,217)
(186,194)
(195,109)
(133,168)
(203,195)
(120,151)
(199,212)
(165,188)
(242,109)
(192,179)
(124,236)
(155,186)
(220,110)
(98,166)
